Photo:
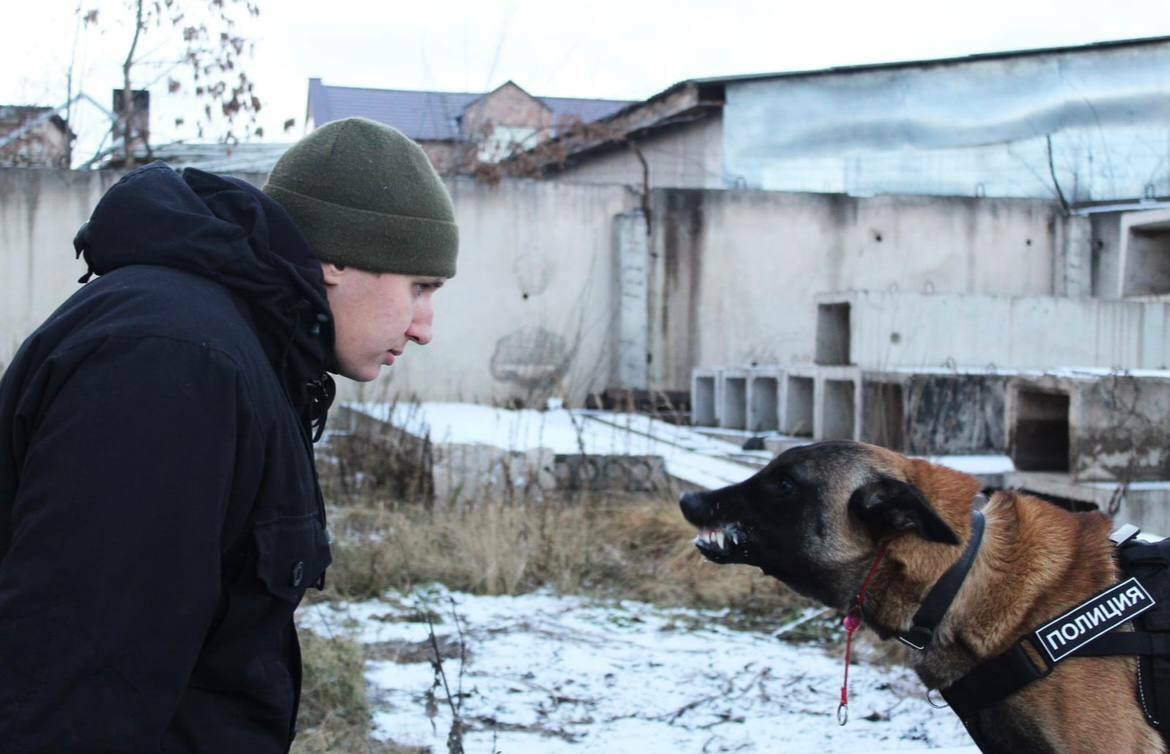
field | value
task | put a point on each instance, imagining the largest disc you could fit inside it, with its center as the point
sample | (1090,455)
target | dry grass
(612,546)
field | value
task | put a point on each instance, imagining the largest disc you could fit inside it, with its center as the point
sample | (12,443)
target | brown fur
(1037,561)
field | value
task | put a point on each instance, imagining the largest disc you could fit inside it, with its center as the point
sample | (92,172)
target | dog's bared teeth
(734,534)
(719,538)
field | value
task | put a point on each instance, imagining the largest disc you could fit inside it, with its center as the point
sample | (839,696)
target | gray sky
(602,48)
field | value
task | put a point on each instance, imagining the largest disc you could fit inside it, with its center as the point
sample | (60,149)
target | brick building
(33,136)
(459,128)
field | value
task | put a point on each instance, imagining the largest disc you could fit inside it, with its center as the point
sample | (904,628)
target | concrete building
(1079,124)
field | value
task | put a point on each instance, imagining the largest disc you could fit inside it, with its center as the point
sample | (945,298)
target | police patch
(1094,618)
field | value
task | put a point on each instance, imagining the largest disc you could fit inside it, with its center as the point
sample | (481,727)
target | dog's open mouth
(720,543)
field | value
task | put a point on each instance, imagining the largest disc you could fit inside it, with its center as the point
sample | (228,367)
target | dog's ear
(888,506)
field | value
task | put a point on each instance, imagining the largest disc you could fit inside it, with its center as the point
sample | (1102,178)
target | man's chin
(367,374)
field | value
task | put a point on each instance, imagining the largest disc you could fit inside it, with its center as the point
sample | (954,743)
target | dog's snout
(695,508)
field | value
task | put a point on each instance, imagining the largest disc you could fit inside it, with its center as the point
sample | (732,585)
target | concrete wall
(917,330)
(735,274)
(40,212)
(531,310)
(687,156)
(731,277)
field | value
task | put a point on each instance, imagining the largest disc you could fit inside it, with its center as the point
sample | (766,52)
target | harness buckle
(1124,534)
(918,637)
(1042,668)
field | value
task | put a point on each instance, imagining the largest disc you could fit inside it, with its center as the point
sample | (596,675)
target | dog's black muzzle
(719,540)
(696,508)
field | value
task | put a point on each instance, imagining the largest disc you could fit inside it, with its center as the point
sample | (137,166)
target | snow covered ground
(548,674)
(688,454)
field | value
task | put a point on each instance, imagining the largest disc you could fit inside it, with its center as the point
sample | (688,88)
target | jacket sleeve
(113,574)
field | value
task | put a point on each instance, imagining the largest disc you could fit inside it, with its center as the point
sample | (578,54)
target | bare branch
(1052,172)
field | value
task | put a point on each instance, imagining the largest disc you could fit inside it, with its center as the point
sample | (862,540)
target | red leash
(852,623)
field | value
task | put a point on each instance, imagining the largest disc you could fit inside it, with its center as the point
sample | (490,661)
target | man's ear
(332,272)
(888,506)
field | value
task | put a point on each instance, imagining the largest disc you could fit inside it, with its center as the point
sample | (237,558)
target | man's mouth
(720,543)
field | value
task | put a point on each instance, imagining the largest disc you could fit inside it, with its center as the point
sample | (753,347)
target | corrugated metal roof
(221,158)
(430,116)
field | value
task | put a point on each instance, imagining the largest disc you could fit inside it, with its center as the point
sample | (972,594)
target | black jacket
(160,516)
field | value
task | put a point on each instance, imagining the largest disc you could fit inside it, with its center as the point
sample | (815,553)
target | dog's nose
(694,507)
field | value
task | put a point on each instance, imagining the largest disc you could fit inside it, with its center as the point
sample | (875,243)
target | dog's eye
(784,486)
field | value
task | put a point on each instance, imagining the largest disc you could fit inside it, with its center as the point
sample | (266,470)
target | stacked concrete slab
(892,330)
(818,402)
(944,375)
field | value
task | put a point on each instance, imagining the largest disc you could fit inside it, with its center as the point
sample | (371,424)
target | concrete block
(837,403)
(610,473)
(765,385)
(1145,253)
(777,444)
(833,333)
(733,400)
(935,412)
(705,397)
(1144,504)
(1093,426)
(798,401)
(883,410)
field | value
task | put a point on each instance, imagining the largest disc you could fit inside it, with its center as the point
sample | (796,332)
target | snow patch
(549,674)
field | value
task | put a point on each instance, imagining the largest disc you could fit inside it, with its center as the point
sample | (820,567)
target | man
(160,516)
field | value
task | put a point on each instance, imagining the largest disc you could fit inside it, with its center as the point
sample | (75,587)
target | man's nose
(421,327)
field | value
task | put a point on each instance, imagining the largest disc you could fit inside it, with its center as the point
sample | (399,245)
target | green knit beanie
(365,195)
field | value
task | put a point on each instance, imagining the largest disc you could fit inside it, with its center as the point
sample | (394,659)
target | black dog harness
(1087,630)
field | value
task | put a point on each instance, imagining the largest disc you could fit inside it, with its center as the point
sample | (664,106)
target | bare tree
(210,66)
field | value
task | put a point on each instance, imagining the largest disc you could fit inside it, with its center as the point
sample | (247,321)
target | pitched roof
(431,116)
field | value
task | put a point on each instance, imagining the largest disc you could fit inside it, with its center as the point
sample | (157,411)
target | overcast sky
(621,49)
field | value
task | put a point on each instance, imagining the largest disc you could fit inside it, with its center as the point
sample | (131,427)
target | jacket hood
(229,231)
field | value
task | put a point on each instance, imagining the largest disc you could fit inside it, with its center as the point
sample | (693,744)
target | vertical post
(1074,257)
(633,289)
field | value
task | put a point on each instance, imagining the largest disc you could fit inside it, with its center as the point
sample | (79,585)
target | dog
(818,516)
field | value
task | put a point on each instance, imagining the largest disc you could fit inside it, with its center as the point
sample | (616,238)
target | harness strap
(1000,677)
(932,610)
(1087,630)
(995,680)
(1127,643)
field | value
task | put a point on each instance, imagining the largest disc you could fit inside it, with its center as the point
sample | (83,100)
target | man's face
(375,315)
